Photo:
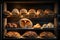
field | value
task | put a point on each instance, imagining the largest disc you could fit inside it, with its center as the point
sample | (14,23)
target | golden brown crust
(13,34)
(48,11)
(39,11)
(37,26)
(12,25)
(30,34)
(15,12)
(47,35)
(32,11)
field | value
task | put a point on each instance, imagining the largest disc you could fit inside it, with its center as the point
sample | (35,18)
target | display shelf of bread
(29,35)
(21,19)
(27,23)
(31,13)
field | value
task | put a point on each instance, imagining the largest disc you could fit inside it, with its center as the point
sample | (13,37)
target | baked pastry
(25,23)
(43,35)
(44,26)
(31,13)
(47,35)
(39,12)
(48,11)
(15,25)
(12,25)
(8,13)
(37,26)
(23,13)
(13,34)
(30,34)
(50,25)
(50,35)
(15,12)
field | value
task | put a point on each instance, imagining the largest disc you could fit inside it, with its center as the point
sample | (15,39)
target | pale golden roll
(30,34)
(44,26)
(50,25)
(15,12)
(25,23)
(13,34)
(37,26)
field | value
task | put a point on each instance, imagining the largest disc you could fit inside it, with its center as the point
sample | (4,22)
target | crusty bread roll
(37,26)
(31,13)
(48,11)
(47,35)
(15,12)
(30,34)
(23,13)
(42,34)
(13,34)
(39,12)
(50,34)
(50,25)
(8,13)
(12,25)
(25,23)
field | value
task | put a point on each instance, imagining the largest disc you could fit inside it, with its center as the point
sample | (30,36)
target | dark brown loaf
(30,34)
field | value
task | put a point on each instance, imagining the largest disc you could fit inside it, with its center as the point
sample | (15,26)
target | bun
(50,25)
(44,26)
(15,12)
(31,13)
(23,13)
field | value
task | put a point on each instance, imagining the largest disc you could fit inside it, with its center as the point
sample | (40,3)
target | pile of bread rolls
(31,13)
(29,34)
(27,23)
